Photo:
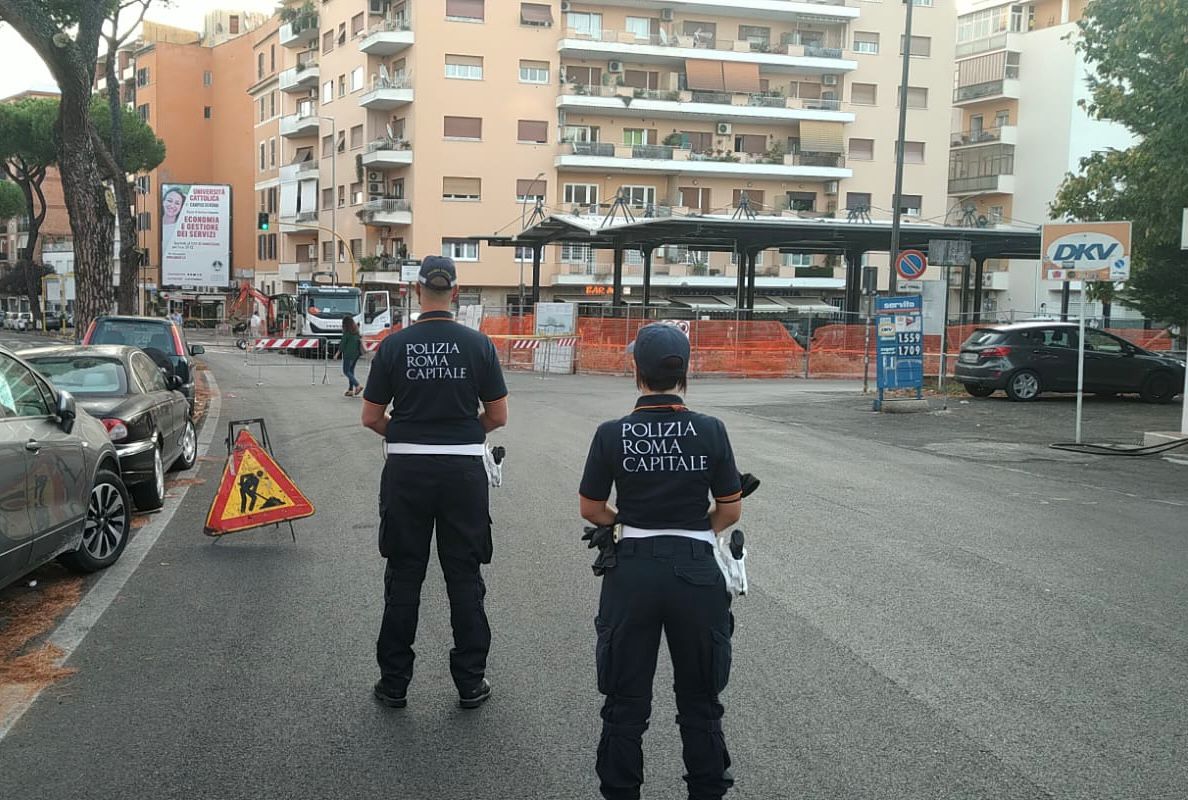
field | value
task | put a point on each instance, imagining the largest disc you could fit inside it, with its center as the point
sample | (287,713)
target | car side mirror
(197,350)
(174,382)
(66,411)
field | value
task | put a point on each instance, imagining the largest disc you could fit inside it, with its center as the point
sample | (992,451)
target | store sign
(599,291)
(1090,251)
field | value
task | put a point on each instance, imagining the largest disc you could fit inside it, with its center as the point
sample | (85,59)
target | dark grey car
(1028,358)
(61,494)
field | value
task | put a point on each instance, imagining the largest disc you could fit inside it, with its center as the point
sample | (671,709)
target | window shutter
(740,77)
(704,75)
(536,14)
(862,149)
(466,9)
(528,186)
(464,127)
(533,131)
(866,94)
(821,137)
(469,187)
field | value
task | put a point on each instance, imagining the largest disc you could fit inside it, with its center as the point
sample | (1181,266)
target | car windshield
(84,376)
(334,305)
(135,334)
(984,338)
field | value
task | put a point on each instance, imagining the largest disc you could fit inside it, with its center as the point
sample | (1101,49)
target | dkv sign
(1088,251)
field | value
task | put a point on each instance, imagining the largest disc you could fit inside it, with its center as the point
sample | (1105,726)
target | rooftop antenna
(620,204)
(860,213)
(744,207)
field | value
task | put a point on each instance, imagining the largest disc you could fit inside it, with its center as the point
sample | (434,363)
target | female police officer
(665,462)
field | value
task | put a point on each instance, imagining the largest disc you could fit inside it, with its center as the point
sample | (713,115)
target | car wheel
(189,449)
(1159,387)
(150,496)
(109,522)
(1023,386)
(978,391)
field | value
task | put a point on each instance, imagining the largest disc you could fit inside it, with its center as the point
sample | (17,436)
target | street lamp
(892,279)
(523,225)
(333,187)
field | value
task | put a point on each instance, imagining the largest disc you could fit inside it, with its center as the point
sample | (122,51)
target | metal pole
(866,357)
(1080,364)
(940,377)
(1184,398)
(903,88)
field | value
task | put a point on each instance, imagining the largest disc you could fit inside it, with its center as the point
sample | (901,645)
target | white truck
(321,308)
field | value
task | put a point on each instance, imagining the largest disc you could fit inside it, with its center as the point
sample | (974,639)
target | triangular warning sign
(254,491)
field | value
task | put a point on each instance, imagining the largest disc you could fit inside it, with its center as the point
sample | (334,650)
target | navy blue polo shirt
(664,462)
(434,374)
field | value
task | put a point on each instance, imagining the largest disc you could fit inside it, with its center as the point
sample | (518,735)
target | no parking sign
(911,265)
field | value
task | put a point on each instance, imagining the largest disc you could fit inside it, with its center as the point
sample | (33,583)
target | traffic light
(262,220)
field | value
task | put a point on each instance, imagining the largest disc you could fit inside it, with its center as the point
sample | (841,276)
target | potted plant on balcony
(774,155)
(674,139)
(368,264)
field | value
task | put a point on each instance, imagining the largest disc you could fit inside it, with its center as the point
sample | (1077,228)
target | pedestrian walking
(255,324)
(659,571)
(445,388)
(349,350)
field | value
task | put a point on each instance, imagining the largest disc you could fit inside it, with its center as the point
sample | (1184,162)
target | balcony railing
(305,217)
(789,45)
(979,136)
(746,99)
(666,153)
(387,205)
(388,144)
(977,91)
(307,166)
(980,183)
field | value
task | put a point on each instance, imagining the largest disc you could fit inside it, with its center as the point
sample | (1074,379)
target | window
(356,248)
(640,26)
(468,10)
(913,152)
(639,196)
(207,78)
(327,42)
(866,42)
(463,127)
(857,200)
(341,196)
(342,85)
(272,197)
(20,394)
(461,188)
(577,254)
(328,251)
(327,92)
(580,194)
(272,58)
(534,72)
(909,204)
(801,201)
(467,68)
(917,97)
(342,33)
(750,143)
(862,149)
(755,198)
(996,214)
(537,14)
(144,221)
(641,79)
(1002,119)
(143,111)
(758,37)
(260,66)
(142,76)
(534,131)
(263,157)
(327,146)
(206,112)
(356,137)
(864,94)
(530,190)
(272,104)
(261,246)
(327,198)
(523,253)
(635,136)
(144,183)
(1100,342)
(272,247)
(263,109)
(460,249)
(921,46)
(356,79)
(233,25)
(585,24)
(798,260)
(579,133)
(272,152)
(357,25)
(694,197)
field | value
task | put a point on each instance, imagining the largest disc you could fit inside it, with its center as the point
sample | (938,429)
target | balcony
(1009,88)
(599,157)
(388,38)
(710,106)
(294,271)
(816,59)
(300,33)
(387,153)
(1003,41)
(300,79)
(307,170)
(301,222)
(834,11)
(299,125)
(386,211)
(387,95)
(1005,134)
(982,184)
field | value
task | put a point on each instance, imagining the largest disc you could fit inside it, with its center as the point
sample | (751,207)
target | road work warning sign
(254,491)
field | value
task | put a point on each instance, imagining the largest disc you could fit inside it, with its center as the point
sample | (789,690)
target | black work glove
(602,537)
(749,484)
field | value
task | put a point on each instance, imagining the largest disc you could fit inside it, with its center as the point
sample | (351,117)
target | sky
(21,69)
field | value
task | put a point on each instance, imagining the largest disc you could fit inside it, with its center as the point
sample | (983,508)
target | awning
(702,303)
(740,77)
(805,305)
(705,76)
(769,305)
(585,299)
(821,137)
(536,14)
(637,300)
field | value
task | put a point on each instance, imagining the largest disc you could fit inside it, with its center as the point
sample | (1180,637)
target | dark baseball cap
(439,272)
(655,348)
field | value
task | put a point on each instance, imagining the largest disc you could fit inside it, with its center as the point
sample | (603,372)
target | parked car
(9,320)
(138,403)
(151,334)
(61,494)
(56,320)
(23,321)
(1029,358)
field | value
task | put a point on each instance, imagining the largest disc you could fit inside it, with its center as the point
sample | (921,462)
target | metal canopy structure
(749,235)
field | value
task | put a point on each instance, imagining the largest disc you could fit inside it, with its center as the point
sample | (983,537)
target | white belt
(406,449)
(643,533)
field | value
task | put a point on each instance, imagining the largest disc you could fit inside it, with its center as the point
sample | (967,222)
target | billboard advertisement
(195,234)
(1087,251)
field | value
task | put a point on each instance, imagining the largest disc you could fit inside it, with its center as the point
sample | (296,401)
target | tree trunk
(129,261)
(25,261)
(1106,308)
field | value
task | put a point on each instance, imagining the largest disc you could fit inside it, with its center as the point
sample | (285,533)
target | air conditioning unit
(374,176)
(375,188)
(377,6)
(725,128)
(831,187)
(375,197)
(829,80)
(615,67)
(565,6)
(666,15)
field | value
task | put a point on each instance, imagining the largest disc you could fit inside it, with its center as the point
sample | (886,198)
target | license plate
(969,358)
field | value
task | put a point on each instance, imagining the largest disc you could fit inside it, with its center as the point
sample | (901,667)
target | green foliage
(26,131)
(12,200)
(142,150)
(1137,50)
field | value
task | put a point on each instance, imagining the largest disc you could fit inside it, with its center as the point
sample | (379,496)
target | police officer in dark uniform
(446,392)
(665,463)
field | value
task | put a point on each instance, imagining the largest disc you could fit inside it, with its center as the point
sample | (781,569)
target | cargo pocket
(487,543)
(384,548)
(603,655)
(699,573)
(722,655)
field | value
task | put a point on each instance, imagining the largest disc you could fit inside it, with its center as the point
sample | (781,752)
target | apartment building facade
(411,127)
(1018,130)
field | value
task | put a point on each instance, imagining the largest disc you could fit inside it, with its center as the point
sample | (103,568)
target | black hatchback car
(1028,358)
(161,338)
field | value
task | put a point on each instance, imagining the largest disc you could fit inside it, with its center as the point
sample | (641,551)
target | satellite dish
(983,221)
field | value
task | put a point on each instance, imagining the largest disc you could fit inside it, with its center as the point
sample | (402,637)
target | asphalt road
(936,612)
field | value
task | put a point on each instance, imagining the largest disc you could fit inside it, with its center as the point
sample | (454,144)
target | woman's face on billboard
(173,206)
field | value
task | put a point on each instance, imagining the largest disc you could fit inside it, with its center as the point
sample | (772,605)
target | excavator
(280,312)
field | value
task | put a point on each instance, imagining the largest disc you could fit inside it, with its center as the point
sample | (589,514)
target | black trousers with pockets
(419,493)
(668,584)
